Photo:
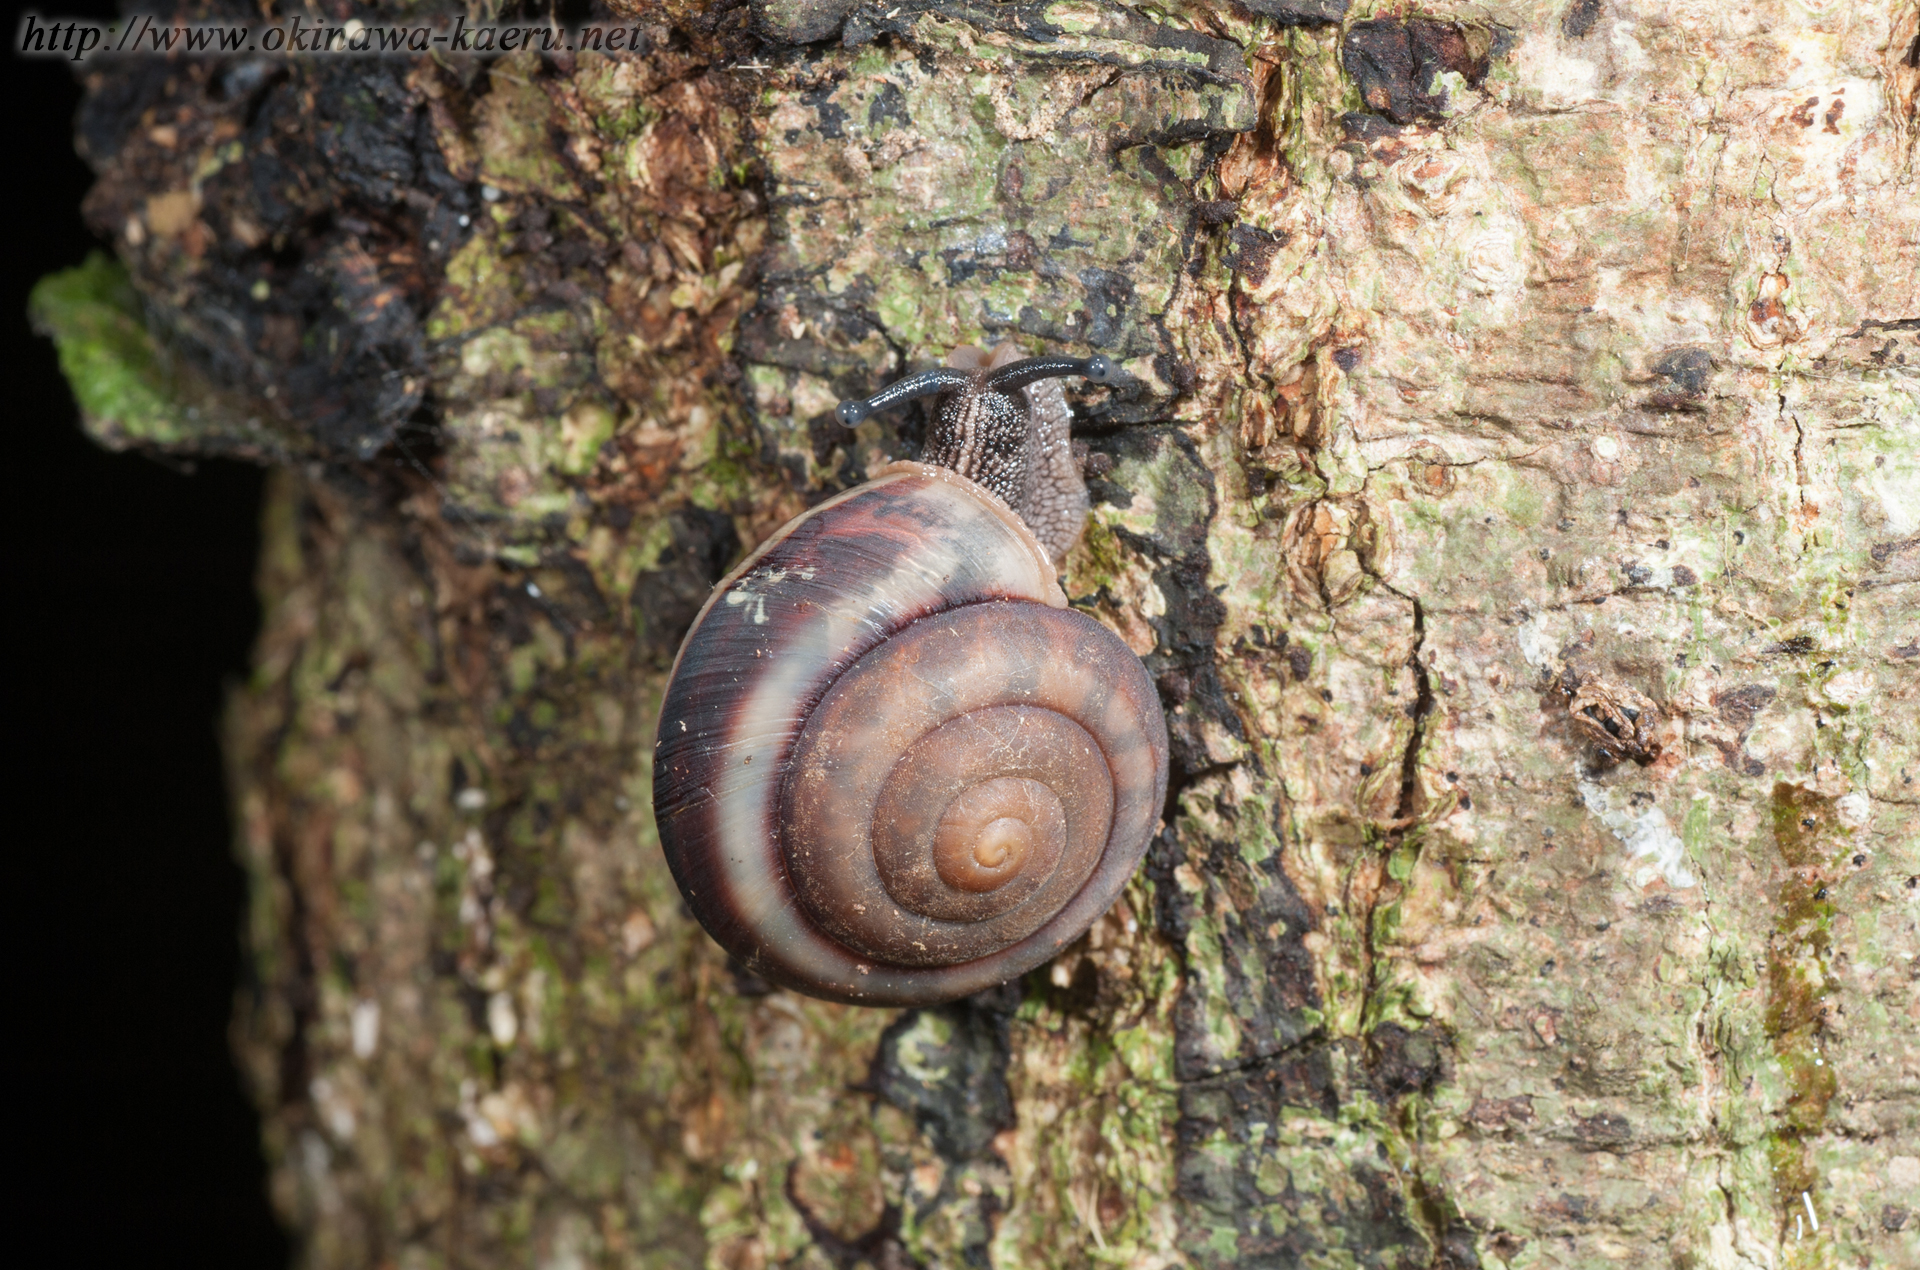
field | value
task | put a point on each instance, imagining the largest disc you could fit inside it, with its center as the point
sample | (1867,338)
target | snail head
(1003,422)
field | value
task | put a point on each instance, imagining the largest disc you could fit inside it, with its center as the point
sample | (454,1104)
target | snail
(892,766)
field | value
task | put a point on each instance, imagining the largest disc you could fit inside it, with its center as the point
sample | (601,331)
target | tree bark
(1517,503)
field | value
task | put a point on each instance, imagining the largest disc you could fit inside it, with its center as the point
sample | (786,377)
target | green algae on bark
(131,390)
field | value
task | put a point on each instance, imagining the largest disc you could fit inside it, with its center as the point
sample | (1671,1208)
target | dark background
(130,614)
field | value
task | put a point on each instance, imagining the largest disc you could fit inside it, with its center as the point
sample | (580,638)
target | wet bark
(1517,502)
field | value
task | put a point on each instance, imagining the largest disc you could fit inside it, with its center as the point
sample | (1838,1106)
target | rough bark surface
(1518,504)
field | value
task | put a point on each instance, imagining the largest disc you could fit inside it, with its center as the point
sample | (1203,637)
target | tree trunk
(1517,503)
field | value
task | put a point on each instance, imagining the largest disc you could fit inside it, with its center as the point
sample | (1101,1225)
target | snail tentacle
(1031,370)
(925,384)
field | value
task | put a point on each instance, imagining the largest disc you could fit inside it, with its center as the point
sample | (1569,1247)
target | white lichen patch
(364,1026)
(1647,836)
(334,1105)
(1849,687)
(1539,646)
(1554,78)
(502,1023)
(1854,809)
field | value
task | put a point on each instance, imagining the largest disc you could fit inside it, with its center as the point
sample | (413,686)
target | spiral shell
(892,766)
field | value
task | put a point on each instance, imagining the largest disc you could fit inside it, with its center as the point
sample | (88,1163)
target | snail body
(893,767)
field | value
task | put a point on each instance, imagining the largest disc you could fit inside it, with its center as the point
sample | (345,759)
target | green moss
(1798,982)
(480,289)
(1097,561)
(93,315)
(618,114)
(1802,820)
(516,149)
(729,473)
(931,1033)
(1524,502)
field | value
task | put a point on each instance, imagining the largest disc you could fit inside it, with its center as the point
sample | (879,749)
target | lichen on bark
(1514,502)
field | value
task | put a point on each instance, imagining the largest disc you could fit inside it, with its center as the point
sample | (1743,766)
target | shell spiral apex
(892,766)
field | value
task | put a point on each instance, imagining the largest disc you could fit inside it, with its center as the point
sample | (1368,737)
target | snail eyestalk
(1032,370)
(925,384)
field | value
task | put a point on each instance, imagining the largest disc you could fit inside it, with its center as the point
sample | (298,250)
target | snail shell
(893,767)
